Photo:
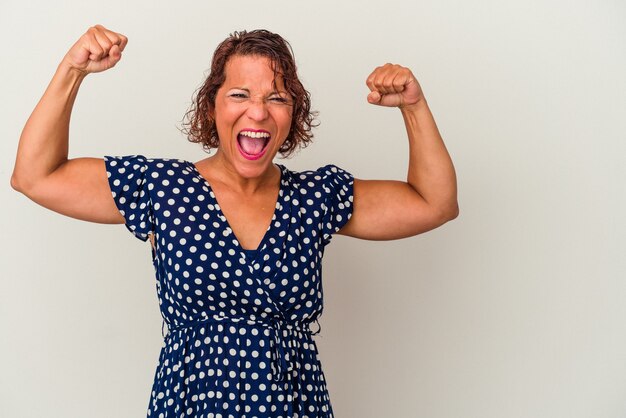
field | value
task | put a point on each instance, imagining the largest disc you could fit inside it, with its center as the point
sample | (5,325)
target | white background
(514,309)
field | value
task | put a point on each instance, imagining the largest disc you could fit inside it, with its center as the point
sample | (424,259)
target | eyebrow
(248,91)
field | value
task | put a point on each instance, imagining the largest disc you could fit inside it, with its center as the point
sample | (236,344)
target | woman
(238,281)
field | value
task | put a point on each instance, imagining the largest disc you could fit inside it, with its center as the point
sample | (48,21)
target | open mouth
(252,144)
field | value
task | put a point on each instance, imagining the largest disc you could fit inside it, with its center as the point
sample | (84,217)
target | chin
(252,168)
(253,165)
(248,166)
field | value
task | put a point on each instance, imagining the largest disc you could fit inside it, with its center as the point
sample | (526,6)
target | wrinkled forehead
(254,72)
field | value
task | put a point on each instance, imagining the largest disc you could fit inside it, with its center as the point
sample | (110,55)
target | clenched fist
(97,50)
(394,86)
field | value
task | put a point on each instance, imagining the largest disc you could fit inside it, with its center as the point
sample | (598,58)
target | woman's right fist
(97,50)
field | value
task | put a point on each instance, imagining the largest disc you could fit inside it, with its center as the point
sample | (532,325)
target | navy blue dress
(239,341)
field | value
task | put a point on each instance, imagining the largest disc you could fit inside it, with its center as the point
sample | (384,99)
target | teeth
(255,134)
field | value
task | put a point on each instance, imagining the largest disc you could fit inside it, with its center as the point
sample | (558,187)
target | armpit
(151,236)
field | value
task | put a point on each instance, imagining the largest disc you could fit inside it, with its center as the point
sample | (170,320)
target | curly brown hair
(198,124)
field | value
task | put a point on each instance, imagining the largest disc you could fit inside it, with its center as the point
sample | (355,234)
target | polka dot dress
(240,340)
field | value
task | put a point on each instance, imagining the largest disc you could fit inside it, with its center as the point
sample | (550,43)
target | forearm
(44,142)
(431,172)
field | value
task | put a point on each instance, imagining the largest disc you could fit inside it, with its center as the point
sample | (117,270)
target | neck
(222,170)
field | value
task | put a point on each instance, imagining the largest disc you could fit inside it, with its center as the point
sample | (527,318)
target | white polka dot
(202,275)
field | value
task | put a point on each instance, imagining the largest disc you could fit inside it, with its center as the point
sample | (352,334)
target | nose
(257,109)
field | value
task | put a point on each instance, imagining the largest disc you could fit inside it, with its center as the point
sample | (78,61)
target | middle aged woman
(237,240)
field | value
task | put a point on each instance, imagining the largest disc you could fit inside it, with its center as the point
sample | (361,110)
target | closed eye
(278,99)
(238,95)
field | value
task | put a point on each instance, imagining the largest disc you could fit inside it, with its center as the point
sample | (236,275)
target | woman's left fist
(394,86)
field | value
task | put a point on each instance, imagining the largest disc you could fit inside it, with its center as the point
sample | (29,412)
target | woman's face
(252,117)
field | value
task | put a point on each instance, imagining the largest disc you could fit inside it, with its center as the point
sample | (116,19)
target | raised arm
(78,187)
(391,209)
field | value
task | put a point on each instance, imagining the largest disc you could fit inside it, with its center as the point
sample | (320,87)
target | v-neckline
(222,216)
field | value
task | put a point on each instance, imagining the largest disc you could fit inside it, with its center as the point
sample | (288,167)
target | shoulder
(324,175)
(140,162)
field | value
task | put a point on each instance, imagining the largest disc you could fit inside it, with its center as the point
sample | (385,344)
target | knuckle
(97,51)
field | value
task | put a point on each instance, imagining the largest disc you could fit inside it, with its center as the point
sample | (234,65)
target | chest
(249,217)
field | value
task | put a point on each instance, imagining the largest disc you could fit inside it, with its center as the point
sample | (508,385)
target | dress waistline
(281,331)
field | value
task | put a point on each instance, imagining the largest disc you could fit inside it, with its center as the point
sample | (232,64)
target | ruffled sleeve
(338,185)
(129,183)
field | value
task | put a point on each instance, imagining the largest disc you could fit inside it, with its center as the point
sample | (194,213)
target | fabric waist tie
(281,355)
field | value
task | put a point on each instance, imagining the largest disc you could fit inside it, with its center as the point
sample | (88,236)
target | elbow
(449,212)
(20,185)
(454,213)
(14,183)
